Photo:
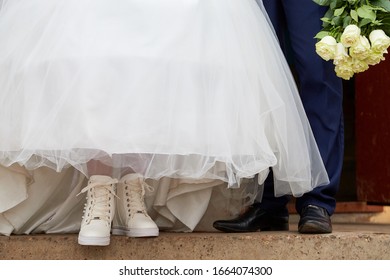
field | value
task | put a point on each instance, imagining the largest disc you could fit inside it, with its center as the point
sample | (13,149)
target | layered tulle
(195,89)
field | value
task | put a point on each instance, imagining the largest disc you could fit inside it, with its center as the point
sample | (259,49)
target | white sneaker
(98,211)
(131,218)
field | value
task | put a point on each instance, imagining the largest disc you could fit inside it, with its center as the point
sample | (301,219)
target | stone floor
(351,241)
(361,235)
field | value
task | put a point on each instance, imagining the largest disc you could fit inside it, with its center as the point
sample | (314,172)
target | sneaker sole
(136,232)
(94,241)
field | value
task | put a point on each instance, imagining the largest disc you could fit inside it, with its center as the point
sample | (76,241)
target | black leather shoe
(314,219)
(255,219)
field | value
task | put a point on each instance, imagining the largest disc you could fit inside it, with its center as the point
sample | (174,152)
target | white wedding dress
(193,91)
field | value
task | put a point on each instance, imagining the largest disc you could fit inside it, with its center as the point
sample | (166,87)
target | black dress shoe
(314,219)
(255,219)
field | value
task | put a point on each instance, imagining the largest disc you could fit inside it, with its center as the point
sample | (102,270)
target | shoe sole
(313,227)
(93,241)
(136,232)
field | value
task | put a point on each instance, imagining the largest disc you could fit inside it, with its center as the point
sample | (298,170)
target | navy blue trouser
(321,94)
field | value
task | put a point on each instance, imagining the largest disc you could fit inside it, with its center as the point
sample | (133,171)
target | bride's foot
(98,211)
(131,218)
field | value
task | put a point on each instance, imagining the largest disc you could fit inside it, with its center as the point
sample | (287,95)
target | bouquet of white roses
(355,34)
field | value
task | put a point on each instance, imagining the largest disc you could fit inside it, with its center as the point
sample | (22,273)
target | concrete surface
(348,241)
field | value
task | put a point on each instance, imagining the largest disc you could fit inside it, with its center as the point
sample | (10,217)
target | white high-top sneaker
(131,218)
(98,211)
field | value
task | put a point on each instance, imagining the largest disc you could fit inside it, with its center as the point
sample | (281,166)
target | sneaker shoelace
(134,192)
(99,195)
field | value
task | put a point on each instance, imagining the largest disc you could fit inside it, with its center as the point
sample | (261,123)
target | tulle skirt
(194,89)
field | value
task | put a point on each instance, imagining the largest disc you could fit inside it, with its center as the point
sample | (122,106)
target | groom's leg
(321,94)
(275,12)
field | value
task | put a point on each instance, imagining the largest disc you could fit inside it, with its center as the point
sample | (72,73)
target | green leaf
(354,15)
(385,20)
(364,22)
(385,4)
(347,21)
(339,12)
(329,13)
(328,20)
(321,2)
(366,12)
(337,21)
(321,35)
(336,4)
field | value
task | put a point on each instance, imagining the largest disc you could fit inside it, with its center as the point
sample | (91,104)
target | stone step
(348,241)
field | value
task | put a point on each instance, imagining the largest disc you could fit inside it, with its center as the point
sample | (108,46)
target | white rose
(350,35)
(379,40)
(375,57)
(344,69)
(326,48)
(361,49)
(359,65)
(340,54)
